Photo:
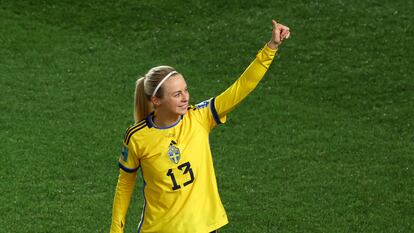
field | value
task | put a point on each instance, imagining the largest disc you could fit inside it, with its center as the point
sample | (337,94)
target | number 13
(187,169)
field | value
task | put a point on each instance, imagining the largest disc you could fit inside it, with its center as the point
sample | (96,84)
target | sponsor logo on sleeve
(124,153)
(202,104)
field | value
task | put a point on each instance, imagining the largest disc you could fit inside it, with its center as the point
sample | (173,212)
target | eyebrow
(174,92)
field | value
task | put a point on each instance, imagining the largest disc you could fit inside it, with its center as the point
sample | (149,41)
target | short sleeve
(206,113)
(128,160)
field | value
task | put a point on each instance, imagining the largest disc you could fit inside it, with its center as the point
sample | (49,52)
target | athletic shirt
(180,188)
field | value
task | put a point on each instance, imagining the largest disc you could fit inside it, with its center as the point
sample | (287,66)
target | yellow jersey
(180,188)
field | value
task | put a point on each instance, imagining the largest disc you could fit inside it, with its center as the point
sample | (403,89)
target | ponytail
(147,86)
(142,106)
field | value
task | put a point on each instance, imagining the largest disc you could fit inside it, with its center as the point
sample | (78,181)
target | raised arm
(247,82)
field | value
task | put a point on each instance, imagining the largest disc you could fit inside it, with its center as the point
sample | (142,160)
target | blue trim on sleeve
(214,112)
(129,170)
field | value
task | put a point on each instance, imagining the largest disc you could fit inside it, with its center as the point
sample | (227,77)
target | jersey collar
(152,124)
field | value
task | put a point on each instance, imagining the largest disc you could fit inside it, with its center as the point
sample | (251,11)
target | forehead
(175,83)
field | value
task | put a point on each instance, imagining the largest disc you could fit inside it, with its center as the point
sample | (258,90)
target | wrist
(273,45)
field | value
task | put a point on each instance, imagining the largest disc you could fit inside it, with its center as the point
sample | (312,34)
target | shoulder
(200,106)
(134,129)
(204,112)
(200,109)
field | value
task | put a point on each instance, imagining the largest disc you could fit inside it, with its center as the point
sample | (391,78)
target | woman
(169,142)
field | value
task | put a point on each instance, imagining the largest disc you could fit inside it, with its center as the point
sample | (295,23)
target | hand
(279,33)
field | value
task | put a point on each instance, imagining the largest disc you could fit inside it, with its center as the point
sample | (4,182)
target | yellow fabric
(180,189)
(126,182)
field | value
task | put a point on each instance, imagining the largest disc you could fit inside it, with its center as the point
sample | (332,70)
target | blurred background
(325,143)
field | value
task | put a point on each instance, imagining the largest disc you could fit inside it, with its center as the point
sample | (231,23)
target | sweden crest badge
(174,152)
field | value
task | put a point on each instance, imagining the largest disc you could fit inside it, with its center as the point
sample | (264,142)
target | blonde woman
(169,144)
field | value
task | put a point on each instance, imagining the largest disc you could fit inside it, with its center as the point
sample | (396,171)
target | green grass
(325,143)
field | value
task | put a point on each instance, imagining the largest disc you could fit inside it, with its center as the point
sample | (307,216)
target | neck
(164,120)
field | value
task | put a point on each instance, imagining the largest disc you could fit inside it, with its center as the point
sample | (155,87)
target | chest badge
(174,152)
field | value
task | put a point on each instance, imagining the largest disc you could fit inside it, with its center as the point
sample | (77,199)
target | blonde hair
(144,88)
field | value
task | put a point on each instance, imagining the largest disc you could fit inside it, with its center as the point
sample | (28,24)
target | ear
(155,101)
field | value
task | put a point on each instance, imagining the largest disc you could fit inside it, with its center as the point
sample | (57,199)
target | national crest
(174,152)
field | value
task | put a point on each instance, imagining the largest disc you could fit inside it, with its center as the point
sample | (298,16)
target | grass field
(325,143)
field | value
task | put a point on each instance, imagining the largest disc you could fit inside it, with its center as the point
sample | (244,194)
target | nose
(185,97)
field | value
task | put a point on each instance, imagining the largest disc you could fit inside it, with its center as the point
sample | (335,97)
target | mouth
(183,106)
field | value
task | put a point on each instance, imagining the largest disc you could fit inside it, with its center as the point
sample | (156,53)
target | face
(175,97)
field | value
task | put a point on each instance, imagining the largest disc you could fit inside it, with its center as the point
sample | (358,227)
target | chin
(182,112)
